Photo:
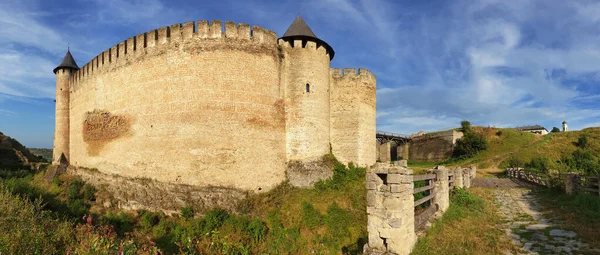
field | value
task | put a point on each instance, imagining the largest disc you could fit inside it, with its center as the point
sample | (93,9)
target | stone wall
(390,209)
(193,108)
(433,147)
(148,194)
(307,116)
(391,205)
(353,116)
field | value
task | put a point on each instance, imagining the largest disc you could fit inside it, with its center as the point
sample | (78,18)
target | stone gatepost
(571,181)
(458,178)
(473,171)
(390,210)
(385,152)
(441,189)
(466,178)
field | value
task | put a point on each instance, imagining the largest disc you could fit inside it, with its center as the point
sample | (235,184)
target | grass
(330,218)
(468,227)
(579,213)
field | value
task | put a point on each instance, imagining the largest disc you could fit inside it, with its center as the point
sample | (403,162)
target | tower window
(307,88)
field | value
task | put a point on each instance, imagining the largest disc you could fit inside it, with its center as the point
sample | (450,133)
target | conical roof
(299,30)
(68,62)
(299,27)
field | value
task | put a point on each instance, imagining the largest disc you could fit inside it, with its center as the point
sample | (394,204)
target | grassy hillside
(41,152)
(506,145)
(13,155)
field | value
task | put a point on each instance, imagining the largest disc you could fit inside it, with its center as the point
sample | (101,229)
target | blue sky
(497,63)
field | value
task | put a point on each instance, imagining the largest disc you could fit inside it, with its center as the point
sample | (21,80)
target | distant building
(536,129)
(565,127)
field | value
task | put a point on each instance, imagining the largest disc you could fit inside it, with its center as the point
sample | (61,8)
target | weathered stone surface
(201,106)
(306,173)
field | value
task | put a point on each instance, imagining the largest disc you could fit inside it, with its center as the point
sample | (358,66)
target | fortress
(204,107)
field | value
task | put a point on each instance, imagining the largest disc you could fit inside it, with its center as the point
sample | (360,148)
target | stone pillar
(458,178)
(473,171)
(377,150)
(571,183)
(466,178)
(390,210)
(385,152)
(441,190)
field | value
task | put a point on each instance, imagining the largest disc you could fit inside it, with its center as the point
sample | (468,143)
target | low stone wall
(305,174)
(391,203)
(134,193)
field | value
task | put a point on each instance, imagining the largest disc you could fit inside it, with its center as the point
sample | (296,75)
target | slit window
(307,88)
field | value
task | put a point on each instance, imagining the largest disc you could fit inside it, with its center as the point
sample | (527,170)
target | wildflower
(89,220)
(313,251)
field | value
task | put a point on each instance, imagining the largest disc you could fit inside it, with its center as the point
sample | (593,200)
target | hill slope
(14,155)
(508,147)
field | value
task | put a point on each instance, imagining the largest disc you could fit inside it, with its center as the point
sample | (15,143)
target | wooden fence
(571,182)
(424,192)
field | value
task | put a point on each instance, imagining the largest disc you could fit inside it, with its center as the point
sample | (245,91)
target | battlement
(338,73)
(303,44)
(201,32)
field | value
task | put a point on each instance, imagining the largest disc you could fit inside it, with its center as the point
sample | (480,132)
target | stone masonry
(209,104)
(390,209)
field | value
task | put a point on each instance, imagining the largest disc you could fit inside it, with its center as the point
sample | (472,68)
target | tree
(465,126)
(470,143)
(555,130)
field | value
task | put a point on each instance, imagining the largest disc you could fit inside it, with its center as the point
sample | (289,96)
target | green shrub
(89,192)
(77,208)
(187,212)
(149,219)
(214,219)
(257,230)
(555,130)
(463,198)
(122,222)
(74,188)
(469,144)
(499,133)
(341,176)
(582,142)
(541,162)
(310,216)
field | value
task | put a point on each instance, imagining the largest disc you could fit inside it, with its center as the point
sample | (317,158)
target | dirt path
(524,222)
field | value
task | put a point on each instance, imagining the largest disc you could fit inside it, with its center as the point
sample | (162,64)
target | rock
(564,233)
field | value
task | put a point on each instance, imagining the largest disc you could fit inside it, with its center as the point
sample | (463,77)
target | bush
(257,230)
(187,212)
(341,176)
(555,130)
(89,192)
(582,142)
(463,198)
(74,189)
(541,163)
(149,219)
(469,145)
(122,222)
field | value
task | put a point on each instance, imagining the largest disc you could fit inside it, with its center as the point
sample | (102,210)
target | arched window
(307,88)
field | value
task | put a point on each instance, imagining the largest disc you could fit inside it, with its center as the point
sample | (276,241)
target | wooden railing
(571,182)
(424,194)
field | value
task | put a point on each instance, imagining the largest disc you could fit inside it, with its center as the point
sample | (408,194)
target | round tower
(63,72)
(564,126)
(306,75)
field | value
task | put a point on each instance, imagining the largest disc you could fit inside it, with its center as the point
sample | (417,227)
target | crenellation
(298,44)
(140,43)
(244,32)
(349,72)
(231,30)
(215,29)
(175,32)
(130,46)
(336,72)
(203,29)
(189,28)
(152,38)
(163,34)
(178,84)
(121,48)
